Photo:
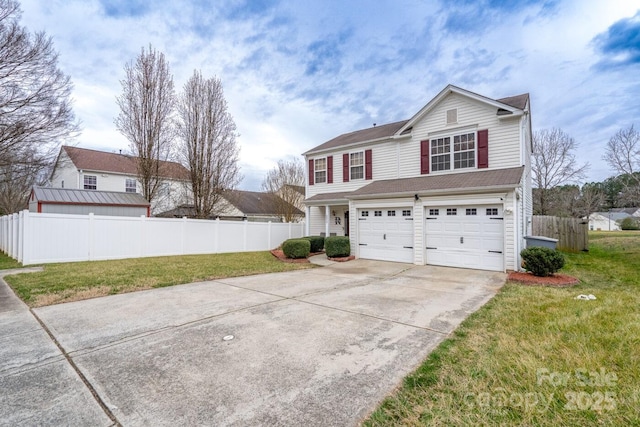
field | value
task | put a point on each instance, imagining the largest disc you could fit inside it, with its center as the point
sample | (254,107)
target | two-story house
(451,186)
(81,168)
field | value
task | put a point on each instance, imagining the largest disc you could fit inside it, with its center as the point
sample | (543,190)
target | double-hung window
(90,182)
(356,165)
(453,152)
(130,185)
(320,167)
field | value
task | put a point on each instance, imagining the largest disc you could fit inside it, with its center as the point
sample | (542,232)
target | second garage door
(386,234)
(465,236)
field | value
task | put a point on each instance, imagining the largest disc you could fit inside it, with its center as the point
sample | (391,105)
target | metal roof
(87,197)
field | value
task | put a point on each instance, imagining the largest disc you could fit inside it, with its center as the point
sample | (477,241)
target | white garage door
(465,236)
(386,234)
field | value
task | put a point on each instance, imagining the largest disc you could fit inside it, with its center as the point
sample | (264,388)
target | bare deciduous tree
(286,180)
(623,155)
(146,116)
(35,107)
(553,164)
(592,199)
(208,142)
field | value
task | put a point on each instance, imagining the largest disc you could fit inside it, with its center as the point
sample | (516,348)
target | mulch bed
(557,280)
(282,257)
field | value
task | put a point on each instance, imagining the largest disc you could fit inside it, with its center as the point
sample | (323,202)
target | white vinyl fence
(37,238)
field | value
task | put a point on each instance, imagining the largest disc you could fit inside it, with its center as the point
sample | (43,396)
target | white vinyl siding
(504,134)
(385,166)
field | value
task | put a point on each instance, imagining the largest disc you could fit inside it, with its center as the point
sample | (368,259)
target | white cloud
(299,73)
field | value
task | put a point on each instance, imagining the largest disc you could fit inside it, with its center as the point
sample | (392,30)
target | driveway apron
(313,347)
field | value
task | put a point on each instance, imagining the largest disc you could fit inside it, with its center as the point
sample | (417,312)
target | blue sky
(297,73)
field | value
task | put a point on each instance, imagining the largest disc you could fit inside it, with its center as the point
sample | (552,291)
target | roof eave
(451,191)
(347,146)
(454,89)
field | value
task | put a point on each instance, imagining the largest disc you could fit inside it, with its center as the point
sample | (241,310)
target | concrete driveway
(309,347)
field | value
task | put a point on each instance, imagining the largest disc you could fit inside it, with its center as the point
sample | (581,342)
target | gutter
(433,192)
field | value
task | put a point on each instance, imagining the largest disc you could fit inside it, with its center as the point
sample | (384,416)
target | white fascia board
(436,192)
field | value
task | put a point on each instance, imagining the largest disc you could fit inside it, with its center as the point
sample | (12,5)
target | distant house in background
(239,205)
(629,211)
(606,221)
(84,169)
(83,202)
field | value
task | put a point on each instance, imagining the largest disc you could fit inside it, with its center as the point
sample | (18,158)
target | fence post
(143,223)
(91,236)
(289,230)
(26,238)
(244,234)
(183,237)
(20,235)
(216,237)
(14,240)
(269,236)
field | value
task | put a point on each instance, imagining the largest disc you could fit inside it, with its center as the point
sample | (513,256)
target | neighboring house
(451,186)
(629,211)
(239,205)
(81,168)
(607,221)
(83,202)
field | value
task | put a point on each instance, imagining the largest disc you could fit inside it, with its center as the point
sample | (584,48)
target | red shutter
(483,149)
(310,171)
(345,168)
(368,164)
(329,169)
(424,157)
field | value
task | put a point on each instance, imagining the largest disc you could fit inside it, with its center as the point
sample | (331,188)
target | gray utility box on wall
(541,241)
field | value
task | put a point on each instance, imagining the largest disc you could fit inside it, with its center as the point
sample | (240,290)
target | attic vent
(452,116)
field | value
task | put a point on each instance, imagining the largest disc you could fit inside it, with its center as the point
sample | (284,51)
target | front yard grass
(81,280)
(6,262)
(537,356)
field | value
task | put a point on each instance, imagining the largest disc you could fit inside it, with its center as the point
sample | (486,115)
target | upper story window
(356,165)
(458,151)
(90,182)
(320,167)
(130,185)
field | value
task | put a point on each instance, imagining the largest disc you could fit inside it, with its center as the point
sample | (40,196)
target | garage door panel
(470,239)
(386,237)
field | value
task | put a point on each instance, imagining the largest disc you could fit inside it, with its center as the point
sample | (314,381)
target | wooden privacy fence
(39,238)
(572,233)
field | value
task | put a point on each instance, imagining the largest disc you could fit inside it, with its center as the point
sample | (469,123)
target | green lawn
(537,356)
(6,262)
(81,280)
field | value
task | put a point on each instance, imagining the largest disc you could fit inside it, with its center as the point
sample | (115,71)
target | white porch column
(307,220)
(327,212)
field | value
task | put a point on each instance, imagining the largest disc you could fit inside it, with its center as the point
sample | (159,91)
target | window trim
(86,186)
(317,170)
(127,187)
(352,166)
(449,150)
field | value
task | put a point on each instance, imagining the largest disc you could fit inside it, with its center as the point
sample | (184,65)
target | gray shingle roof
(369,134)
(430,183)
(329,196)
(256,203)
(87,197)
(388,130)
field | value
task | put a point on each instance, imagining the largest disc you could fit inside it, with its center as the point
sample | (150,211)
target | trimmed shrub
(317,243)
(629,223)
(337,246)
(542,261)
(296,248)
